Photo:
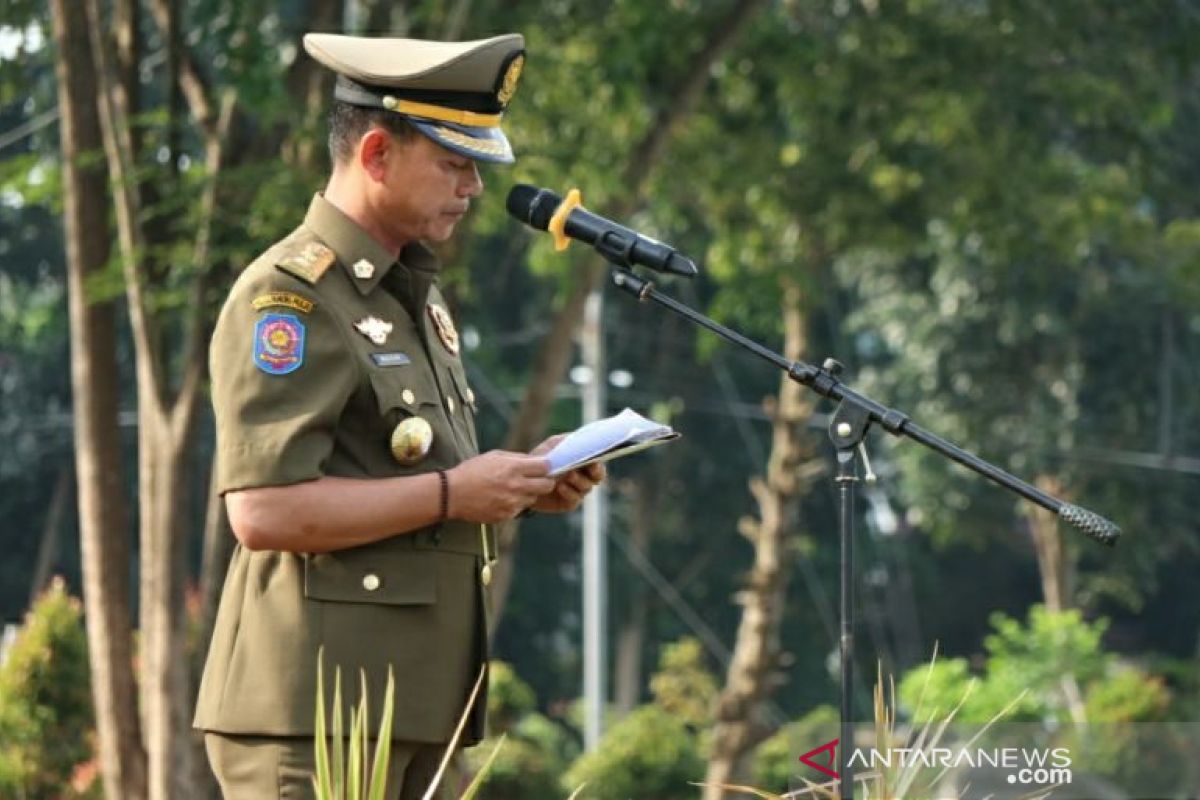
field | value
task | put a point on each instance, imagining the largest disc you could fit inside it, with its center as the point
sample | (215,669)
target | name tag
(390,359)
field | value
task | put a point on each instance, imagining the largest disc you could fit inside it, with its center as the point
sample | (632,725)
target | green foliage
(536,750)
(522,768)
(1129,695)
(1033,658)
(1126,739)
(509,698)
(656,749)
(774,765)
(45,701)
(683,685)
(649,753)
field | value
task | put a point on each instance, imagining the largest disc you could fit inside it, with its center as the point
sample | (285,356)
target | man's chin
(441,232)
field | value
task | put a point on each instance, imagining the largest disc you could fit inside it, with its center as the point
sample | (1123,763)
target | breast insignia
(411,440)
(374,328)
(444,326)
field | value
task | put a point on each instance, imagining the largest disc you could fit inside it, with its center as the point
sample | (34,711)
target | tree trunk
(756,656)
(166,418)
(1053,561)
(631,638)
(1056,568)
(102,517)
(162,482)
(553,357)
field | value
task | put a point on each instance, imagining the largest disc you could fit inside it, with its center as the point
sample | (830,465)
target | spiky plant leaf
(481,775)
(453,745)
(321,781)
(383,744)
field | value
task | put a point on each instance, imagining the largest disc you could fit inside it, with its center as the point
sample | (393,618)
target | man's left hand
(570,488)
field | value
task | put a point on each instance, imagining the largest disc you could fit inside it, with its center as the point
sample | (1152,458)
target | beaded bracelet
(444,494)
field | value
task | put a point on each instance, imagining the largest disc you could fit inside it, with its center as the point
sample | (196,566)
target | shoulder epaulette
(308,263)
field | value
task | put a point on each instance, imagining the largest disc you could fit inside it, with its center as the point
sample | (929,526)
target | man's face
(425,190)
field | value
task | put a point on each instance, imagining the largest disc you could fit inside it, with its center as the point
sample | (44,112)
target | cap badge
(411,440)
(445,327)
(508,87)
(363,269)
(374,329)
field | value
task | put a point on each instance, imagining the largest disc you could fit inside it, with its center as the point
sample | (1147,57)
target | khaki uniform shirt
(303,388)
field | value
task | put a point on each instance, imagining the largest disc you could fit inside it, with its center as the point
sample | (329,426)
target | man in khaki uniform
(346,447)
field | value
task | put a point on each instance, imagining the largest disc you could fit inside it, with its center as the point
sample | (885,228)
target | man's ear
(374,149)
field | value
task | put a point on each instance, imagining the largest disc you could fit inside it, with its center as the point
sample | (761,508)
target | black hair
(348,123)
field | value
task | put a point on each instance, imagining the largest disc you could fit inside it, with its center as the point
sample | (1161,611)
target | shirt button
(371,581)
(408,397)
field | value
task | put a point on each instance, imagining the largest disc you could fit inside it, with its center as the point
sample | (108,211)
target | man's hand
(497,485)
(569,489)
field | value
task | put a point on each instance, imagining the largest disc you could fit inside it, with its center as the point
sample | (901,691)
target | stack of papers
(606,439)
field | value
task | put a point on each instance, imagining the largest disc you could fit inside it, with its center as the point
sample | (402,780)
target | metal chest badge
(411,440)
(279,344)
(444,326)
(374,329)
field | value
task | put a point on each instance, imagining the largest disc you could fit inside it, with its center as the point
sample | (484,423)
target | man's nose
(472,183)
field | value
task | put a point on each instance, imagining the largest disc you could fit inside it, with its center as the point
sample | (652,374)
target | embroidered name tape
(390,359)
(285,299)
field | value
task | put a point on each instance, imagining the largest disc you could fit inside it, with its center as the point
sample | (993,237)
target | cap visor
(481,144)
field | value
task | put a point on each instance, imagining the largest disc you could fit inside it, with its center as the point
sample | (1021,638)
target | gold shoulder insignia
(308,263)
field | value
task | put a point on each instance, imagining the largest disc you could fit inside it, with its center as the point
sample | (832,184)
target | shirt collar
(354,247)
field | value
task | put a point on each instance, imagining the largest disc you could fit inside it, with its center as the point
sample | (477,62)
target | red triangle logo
(831,749)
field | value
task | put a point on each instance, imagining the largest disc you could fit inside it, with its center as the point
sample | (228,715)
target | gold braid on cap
(491,147)
(440,113)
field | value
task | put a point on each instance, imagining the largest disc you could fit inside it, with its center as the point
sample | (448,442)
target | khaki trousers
(266,767)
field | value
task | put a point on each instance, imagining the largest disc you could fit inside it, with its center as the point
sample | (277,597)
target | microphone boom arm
(854,405)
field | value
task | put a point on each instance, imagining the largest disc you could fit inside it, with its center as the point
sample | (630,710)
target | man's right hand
(497,486)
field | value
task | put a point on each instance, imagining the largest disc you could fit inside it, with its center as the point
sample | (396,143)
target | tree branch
(118,150)
(191,81)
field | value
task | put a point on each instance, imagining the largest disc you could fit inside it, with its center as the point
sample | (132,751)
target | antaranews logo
(1024,766)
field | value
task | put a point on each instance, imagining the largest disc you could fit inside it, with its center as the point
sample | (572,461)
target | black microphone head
(532,205)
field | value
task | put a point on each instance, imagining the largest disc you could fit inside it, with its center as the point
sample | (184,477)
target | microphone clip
(557,227)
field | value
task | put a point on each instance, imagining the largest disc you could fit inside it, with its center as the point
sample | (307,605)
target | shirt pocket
(382,573)
(406,392)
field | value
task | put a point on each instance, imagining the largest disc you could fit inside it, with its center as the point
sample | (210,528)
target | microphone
(567,219)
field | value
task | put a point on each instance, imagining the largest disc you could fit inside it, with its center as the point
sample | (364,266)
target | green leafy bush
(46,716)
(536,749)
(683,685)
(649,753)
(776,761)
(1119,701)
(1032,658)
(655,751)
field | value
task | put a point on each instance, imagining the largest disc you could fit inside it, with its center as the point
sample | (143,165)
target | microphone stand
(855,415)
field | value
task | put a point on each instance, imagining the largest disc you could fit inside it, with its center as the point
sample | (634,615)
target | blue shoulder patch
(279,344)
